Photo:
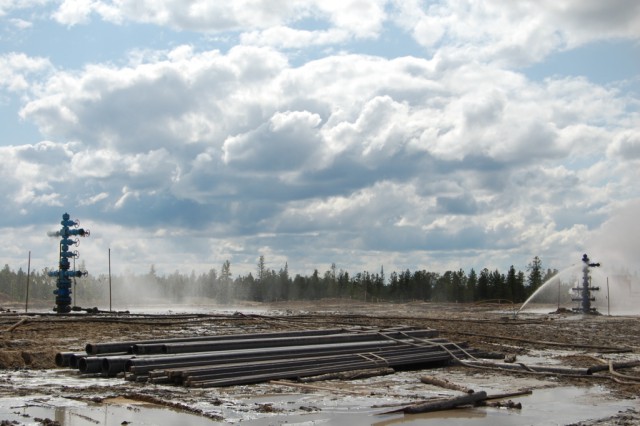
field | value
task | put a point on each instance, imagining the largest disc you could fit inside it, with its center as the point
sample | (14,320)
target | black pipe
(293,374)
(387,357)
(90,365)
(225,360)
(113,365)
(233,370)
(111,347)
(207,346)
(157,346)
(74,360)
(245,365)
(381,359)
(63,358)
(279,356)
(142,365)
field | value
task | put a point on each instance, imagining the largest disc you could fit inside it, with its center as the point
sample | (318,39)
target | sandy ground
(29,343)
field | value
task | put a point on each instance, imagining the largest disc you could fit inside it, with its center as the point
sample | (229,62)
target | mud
(28,344)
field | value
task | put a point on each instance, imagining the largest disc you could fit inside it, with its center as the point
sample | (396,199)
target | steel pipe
(314,358)
(110,347)
(113,365)
(74,360)
(225,360)
(206,346)
(313,371)
(142,365)
(90,365)
(331,366)
(63,358)
(386,357)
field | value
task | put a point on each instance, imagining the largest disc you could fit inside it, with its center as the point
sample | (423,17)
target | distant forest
(268,285)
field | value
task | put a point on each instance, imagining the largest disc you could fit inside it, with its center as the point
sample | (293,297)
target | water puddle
(34,409)
(362,402)
(548,406)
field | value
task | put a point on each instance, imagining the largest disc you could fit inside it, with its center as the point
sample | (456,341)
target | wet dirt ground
(34,391)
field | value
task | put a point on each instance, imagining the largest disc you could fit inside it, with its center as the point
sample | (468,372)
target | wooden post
(448,404)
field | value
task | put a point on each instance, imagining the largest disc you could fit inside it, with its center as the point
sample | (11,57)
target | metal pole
(74,298)
(608,299)
(109,279)
(26,303)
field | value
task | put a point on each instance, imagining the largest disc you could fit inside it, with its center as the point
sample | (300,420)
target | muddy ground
(29,343)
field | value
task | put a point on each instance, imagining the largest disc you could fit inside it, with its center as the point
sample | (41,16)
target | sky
(395,134)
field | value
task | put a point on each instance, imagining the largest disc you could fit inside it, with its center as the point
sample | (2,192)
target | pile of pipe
(228,360)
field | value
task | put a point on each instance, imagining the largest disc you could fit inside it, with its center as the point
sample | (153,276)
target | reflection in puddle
(66,412)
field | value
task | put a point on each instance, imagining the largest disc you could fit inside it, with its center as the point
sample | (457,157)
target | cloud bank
(186,156)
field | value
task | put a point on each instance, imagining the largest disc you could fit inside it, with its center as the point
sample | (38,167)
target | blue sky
(405,134)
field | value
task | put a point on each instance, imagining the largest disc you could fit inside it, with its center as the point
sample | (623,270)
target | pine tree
(534,280)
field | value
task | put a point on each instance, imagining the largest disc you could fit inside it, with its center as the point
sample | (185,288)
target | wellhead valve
(64,274)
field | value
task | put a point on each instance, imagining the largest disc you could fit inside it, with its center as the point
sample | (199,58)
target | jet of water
(550,290)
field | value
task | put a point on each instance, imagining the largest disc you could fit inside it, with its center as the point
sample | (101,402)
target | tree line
(268,285)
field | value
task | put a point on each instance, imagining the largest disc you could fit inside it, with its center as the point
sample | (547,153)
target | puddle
(67,412)
(549,406)
(260,405)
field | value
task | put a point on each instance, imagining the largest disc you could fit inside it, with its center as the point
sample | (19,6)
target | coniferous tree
(458,283)
(442,290)
(285,282)
(404,284)
(496,285)
(483,285)
(424,283)
(394,286)
(534,280)
(515,286)
(225,280)
(299,287)
(315,285)
(471,292)
(330,281)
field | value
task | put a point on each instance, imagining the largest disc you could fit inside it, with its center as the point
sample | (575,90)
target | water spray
(584,291)
(64,274)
